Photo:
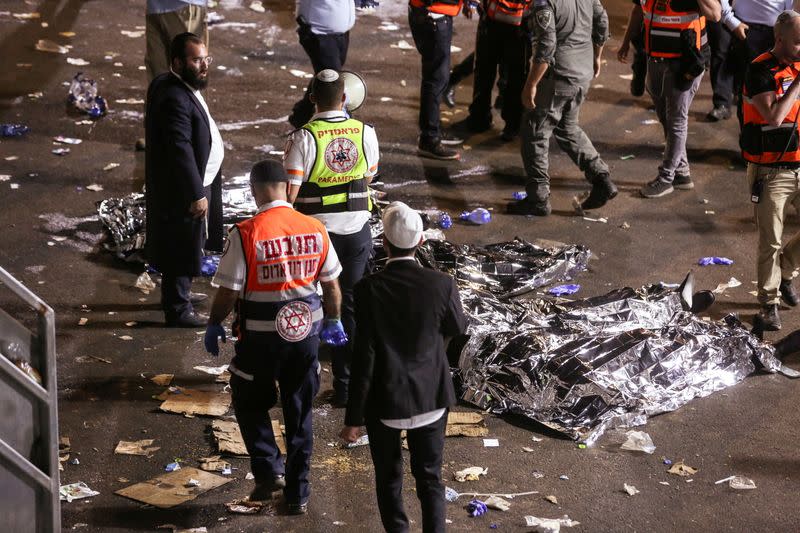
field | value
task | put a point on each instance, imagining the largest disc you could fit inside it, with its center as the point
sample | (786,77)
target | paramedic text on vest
(269,272)
(770,145)
(330,162)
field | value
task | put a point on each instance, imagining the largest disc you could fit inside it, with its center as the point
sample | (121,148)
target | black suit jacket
(178,144)
(400,368)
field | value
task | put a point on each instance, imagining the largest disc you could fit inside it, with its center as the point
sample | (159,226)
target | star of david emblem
(293,322)
(341,155)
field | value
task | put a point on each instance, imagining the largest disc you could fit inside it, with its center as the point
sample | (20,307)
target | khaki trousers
(781,187)
(161,28)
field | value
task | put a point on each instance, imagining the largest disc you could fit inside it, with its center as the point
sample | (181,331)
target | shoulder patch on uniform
(543,17)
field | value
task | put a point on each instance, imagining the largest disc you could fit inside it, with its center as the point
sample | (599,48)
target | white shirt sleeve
(232,265)
(331,268)
(371,150)
(299,156)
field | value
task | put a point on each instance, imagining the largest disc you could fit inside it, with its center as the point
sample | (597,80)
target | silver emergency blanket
(505,269)
(609,361)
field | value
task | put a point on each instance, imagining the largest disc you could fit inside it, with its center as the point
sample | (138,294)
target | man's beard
(193,80)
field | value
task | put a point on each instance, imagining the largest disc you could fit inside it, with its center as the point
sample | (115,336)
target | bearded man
(183,176)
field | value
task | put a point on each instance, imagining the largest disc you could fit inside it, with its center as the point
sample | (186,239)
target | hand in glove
(213,333)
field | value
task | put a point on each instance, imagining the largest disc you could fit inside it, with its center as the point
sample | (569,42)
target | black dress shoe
(297,508)
(437,151)
(603,190)
(788,345)
(263,491)
(768,319)
(192,320)
(788,294)
(529,207)
(197,297)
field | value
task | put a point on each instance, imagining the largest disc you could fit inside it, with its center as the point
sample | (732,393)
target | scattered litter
(77,61)
(666,461)
(472,473)
(132,34)
(625,225)
(215,463)
(537,475)
(162,379)
(67,34)
(82,321)
(172,467)
(13,130)
(638,441)
(627,157)
(549,525)
(552,499)
(26,16)
(300,73)
(75,491)
(649,122)
(45,45)
(496,502)
(139,447)
(536,439)
(709,212)
(74,461)
(563,477)
(363,440)
(126,337)
(110,166)
(630,489)
(680,469)
(131,323)
(213,370)
(83,94)
(169,490)
(96,187)
(11,158)
(705,261)
(664,483)
(145,283)
(733,282)
(491,443)
(192,483)
(258,7)
(519,195)
(245,506)
(563,290)
(402,44)
(130,101)
(476,508)
(61,151)
(89,358)
(527,449)
(476,216)
(386,99)
(249,476)
(196,402)
(451,495)
(742,483)
(601,220)
(465,424)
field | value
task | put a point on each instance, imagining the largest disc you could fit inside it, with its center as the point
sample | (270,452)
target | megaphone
(355,90)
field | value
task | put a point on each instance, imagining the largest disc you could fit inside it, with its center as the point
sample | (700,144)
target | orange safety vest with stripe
(663,27)
(443,7)
(507,11)
(764,144)
(284,252)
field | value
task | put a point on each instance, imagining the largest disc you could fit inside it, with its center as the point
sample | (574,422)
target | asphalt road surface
(50,239)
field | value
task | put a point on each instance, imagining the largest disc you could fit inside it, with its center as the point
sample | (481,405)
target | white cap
(402,226)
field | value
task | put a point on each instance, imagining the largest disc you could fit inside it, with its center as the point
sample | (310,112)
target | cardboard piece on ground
(215,463)
(162,379)
(196,402)
(229,438)
(169,490)
(463,424)
(139,447)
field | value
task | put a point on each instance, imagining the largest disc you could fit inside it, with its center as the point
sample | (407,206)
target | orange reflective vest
(443,7)
(507,11)
(284,252)
(663,27)
(764,144)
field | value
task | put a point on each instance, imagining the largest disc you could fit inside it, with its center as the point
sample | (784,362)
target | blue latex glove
(333,332)
(213,333)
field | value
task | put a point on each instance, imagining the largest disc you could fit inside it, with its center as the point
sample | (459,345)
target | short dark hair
(177,50)
(394,251)
(328,94)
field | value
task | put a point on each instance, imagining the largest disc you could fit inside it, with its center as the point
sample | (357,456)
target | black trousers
(295,368)
(175,291)
(432,38)
(463,70)
(354,251)
(324,51)
(722,64)
(499,46)
(426,445)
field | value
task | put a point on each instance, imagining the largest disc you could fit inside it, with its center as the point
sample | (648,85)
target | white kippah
(328,75)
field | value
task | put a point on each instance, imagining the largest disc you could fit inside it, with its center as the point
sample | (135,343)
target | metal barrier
(29,480)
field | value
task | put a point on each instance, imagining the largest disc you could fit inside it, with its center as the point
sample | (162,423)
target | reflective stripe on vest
(443,7)
(337,182)
(663,28)
(284,253)
(761,142)
(507,11)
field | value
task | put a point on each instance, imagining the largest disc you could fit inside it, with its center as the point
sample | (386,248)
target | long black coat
(178,141)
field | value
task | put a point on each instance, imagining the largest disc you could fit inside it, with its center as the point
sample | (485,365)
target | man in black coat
(183,178)
(400,378)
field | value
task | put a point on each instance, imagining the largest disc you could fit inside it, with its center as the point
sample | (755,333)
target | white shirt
(232,270)
(217,153)
(300,156)
(759,11)
(326,17)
